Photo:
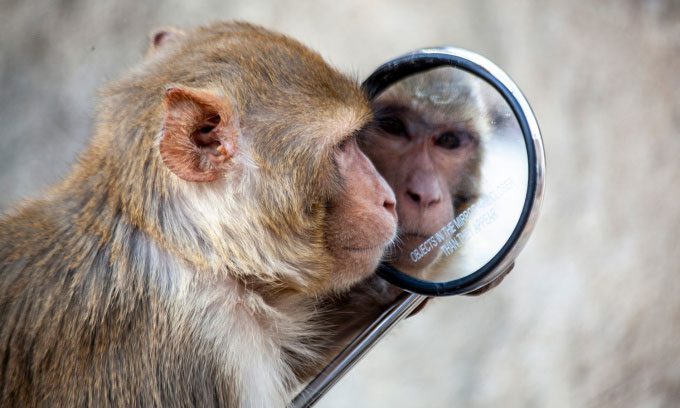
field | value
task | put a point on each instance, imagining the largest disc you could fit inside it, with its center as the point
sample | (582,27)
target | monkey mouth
(363,249)
(414,235)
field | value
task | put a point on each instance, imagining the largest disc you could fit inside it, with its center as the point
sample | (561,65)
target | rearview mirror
(460,146)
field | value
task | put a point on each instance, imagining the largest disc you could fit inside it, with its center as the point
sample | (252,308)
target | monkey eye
(452,140)
(393,126)
(346,142)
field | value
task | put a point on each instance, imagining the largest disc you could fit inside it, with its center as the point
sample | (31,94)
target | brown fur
(165,274)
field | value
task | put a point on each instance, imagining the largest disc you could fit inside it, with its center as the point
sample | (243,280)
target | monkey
(182,261)
(429,147)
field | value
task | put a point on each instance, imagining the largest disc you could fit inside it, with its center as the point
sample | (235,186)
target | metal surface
(348,357)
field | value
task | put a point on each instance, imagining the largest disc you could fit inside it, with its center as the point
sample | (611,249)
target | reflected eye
(451,140)
(393,126)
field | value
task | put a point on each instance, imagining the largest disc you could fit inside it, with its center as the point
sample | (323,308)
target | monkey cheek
(358,254)
(358,234)
(354,265)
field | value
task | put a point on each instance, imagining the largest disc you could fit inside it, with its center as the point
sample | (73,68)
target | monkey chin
(354,264)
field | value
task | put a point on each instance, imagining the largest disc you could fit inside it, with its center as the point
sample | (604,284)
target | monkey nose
(390,204)
(387,196)
(423,199)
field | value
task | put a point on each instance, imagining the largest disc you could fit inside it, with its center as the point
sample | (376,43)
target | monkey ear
(159,38)
(200,134)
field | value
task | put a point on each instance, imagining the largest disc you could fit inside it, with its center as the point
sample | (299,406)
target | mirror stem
(350,355)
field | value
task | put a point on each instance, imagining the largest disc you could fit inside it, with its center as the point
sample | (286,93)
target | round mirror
(458,143)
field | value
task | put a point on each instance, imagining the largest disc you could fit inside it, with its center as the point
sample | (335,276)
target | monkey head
(250,148)
(427,146)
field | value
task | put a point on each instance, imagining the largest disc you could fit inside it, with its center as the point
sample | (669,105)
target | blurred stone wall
(591,314)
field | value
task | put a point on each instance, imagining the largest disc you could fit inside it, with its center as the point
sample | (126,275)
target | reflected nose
(424,196)
(422,186)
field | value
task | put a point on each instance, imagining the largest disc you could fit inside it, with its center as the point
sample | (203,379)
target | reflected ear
(160,38)
(200,134)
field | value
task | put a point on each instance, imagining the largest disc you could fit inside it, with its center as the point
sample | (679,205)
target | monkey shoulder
(80,319)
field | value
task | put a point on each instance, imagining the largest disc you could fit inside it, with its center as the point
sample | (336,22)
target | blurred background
(590,316)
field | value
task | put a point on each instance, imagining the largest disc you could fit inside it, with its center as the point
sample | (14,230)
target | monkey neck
(115,202)
(120,218)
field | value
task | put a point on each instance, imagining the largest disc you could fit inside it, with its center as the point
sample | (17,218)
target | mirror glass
(451,148)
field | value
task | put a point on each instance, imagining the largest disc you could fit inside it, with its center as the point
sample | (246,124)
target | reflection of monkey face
(430,156)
